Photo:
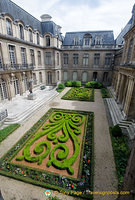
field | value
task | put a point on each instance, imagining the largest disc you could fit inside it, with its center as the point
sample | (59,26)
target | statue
(31,96)
(30,86)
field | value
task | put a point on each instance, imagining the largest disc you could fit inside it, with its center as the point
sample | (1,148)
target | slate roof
(120,39)
(9,7)
(107,37)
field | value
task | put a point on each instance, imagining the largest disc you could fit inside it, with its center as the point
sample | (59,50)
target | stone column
(129,95)
(117,85)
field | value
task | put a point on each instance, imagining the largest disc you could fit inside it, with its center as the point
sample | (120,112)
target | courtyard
(104,167)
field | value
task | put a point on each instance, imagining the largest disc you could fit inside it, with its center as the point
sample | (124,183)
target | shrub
(104,93)
(61,86)
(68,83)
(116,131)
(93,84)
(76,83)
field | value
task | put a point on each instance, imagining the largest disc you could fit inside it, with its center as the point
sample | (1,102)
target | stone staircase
(30,110)
(118,118)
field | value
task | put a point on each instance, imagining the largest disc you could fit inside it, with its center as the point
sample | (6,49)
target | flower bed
(80,94)
(26,160)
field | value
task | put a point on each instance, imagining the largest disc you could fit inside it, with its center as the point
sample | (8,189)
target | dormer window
(98,40)
(9,27)
(21,31)
(38,39)
(48,41)
(30,35)
(76,41)
(87,40)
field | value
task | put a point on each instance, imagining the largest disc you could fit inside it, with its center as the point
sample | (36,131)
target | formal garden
(56,153)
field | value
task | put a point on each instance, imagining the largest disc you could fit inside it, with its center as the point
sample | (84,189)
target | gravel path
(105,175)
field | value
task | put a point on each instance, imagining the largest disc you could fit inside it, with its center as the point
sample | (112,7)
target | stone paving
(105,174)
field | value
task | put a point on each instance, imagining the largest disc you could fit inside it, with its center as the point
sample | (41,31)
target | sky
(82,15)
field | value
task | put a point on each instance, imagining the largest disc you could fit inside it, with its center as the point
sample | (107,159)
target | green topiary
(61,86)
(93,84)
(68,83)
(76,83)
(116,131)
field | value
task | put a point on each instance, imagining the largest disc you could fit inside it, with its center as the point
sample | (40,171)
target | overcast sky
(82,15)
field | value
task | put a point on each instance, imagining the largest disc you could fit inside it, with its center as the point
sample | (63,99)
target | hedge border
(29,134)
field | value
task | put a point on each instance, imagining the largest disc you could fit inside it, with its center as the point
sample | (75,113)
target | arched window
(48,41)
(9,27)
(94,76)
(21,32)
(40,77)
(74,76)
(16,85)
(3,90)
(84,77)
(30,35)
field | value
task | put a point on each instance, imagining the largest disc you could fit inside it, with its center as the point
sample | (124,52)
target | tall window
(76,41)
(57,58)
(40,77)
(65,76)
(87,40)
(32,56)
(30,35)
(9,27)
(96,58)
(105,77)
(75,59)
(84,77)
(65,57)
(3,90)
(74,76)
(23,55)
(98,40)
(129,51)
(21,31)
(48,58)
(108,59)
(1,60)
(39,58)
(12,55)
(25,82)
(94,76)
(34,79)
(58,75)
(85,59)
(16,85)
(48,41)
(49,78)
(38,39)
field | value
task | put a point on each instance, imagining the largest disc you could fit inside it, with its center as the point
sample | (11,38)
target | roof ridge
(89,31)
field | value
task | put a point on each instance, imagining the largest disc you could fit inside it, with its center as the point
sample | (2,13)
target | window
(84,77)
(108,59)
(65,56)
(40,77)
(38,39)
(9,27)
(30,35)
(16,85)
(94,76)
(65,76)
(87,40)
(96,58)
(1,60)
(32,57)
(21,31)
(48,58)
(58,75)
(74,76)
(105,77)
(48,41)
(12,55)
(49,78)
(57,58)
(130,51)
(39,58)
(76,41)
(75,59)
(3,90)
(34,79)
(23,55)
(25,82)
(98,40)
(85,59)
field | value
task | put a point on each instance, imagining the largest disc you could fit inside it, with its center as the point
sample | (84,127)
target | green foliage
(53,198)
(68,83)
(61,86)
(121,153)
(104,93)
(93,84)
(81,94)
(116,131)
(76,83)
(7,131)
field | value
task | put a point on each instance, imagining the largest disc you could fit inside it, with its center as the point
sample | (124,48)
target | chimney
(45,17)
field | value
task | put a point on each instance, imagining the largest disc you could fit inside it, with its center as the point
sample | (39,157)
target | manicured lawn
(80,94)
(7,131)
(56,153)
